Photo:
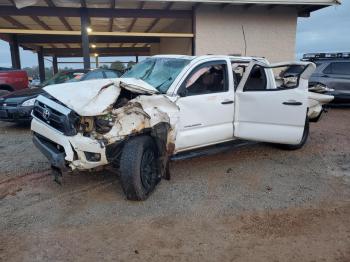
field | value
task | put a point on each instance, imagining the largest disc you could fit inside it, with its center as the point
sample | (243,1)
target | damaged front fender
(112,112)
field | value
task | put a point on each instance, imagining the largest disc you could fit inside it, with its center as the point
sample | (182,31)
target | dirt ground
(257,203)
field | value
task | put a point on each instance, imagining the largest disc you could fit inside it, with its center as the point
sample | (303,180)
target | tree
(130,64)
(117,65)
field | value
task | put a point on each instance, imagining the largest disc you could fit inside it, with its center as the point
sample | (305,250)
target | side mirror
(183,92)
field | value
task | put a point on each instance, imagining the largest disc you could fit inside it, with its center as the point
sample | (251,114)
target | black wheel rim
(147,170)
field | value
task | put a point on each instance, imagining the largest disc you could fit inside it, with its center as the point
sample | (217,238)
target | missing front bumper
(55,156)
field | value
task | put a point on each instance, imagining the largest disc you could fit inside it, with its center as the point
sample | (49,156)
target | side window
(207,79)
(256,80)
(328,69)
(338,68)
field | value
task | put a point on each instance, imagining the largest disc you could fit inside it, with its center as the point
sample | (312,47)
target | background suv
(333,71)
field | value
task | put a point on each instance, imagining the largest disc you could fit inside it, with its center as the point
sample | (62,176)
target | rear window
(338,68)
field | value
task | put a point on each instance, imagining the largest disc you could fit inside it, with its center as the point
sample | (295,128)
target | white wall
(269,33)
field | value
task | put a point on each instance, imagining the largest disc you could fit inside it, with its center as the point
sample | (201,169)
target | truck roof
(232,57)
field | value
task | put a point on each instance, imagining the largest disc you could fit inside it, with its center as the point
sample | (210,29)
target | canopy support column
(84,19)
(54,64)
(41,64)
(14,48)
(194,30)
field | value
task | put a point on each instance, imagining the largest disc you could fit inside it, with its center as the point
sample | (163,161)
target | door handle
(292,103)
(226,102)
(326,76)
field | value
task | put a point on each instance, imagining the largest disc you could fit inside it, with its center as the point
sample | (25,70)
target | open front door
(269,109)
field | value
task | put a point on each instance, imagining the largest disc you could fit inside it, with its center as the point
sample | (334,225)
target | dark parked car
(64,76)
(17,106)
(333,71)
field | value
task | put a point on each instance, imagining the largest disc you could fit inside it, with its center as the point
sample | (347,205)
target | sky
(327,30)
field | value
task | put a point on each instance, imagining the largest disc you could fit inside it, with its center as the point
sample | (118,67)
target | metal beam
(14,48)
(111,20)
(111,51)
(142,4)
(54,64)
(41,64)
(83,3)
(84,21)
(61,18)
(93,12)
(94,33)
(14,22)
(73,39)
(110,26)
(154,23)
(194,28)
(41,23)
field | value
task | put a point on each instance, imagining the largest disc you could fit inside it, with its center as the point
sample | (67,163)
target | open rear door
(269,109)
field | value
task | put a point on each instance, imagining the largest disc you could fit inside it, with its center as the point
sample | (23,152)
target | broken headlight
(86,124)
(104,123)
(99,124)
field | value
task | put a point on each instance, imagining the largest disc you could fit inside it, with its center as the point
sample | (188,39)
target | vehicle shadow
(25,125)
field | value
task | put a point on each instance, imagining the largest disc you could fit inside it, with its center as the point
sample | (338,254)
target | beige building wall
(181,46)
(269,33)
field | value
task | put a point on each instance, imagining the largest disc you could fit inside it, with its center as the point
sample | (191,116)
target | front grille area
(10,104)
(65,123)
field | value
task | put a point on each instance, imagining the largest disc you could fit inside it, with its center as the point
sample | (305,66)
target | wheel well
(6,87)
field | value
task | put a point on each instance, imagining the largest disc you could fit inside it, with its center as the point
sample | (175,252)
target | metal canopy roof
(119,27)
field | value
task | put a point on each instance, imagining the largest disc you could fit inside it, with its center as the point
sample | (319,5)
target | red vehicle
(12,80)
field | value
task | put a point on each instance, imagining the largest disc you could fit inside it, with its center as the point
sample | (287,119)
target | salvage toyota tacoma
(167,107)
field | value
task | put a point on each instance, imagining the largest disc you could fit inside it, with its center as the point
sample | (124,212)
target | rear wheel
(303,139)
(138,168)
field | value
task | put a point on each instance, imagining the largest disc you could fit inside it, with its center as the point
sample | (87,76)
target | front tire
(138,168)
(303,139)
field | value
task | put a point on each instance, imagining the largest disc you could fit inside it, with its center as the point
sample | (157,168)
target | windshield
(158,72)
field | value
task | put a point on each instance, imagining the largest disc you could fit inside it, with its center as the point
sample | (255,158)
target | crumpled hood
(95,97)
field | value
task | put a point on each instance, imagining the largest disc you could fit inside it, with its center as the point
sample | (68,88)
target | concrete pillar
(84,19)
(14,48)
(41,64)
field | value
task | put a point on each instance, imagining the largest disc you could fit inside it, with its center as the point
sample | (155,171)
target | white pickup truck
(170,107)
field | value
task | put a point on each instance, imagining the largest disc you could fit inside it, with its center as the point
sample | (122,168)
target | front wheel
(138,168)
(303,139)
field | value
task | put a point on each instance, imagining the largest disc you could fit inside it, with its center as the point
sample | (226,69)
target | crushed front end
(56,133)
(88,131)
